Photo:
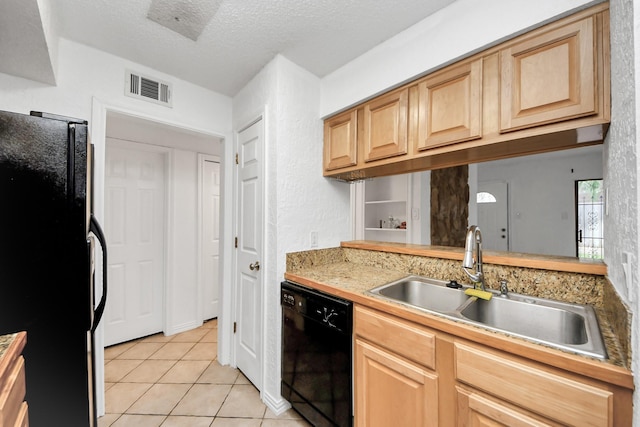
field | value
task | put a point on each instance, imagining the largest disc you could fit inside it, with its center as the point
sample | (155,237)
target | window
(484,197)
(590,212)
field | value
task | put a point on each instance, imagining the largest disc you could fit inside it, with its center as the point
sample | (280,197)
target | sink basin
(572,327)
(569,326)
(532,320)
(428,294)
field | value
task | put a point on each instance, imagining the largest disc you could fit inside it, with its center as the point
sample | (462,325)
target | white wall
(464,27)
(85,73)
(622,169)
(298,199)
(542,197)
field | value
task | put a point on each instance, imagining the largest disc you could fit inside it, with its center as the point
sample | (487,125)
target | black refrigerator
(47,235)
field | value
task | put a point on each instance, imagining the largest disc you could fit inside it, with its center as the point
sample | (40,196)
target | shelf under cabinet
(384,229)
(384,202)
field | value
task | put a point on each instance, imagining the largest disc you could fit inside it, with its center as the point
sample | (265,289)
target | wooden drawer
(546,393)
(407,339)
(12,394)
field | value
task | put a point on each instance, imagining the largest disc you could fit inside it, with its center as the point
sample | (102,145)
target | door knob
(254,266)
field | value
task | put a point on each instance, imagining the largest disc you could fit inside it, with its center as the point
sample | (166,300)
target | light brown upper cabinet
(549,77)
(451,106)
(545,90)
(385,126)
(341,141)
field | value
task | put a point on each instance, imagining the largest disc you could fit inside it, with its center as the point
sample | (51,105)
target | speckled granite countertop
(5,342)
(350,273)
(11,346)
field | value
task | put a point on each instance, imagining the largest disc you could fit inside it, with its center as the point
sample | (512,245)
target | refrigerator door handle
(95,228)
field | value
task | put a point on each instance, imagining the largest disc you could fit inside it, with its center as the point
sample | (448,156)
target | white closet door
(134,227)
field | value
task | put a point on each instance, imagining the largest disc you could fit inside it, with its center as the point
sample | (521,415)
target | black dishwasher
(317,355)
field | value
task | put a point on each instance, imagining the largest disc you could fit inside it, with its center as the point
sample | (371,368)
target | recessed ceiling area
(185,17)
(137,129)
(222,44)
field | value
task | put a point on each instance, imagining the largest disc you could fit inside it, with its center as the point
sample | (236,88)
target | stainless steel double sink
(571,327)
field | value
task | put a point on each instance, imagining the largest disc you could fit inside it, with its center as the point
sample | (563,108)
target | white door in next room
(134,226)
(210,236)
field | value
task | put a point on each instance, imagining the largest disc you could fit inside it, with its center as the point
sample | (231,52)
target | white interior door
(493,214)
(211,237)
(134,227)
(248,280)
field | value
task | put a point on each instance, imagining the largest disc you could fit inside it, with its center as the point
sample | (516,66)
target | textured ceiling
(241,36)
(23,42)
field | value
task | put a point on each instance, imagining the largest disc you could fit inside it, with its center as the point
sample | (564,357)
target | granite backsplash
(580,288)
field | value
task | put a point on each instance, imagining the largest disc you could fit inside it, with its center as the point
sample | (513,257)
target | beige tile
(122,395)
(210,336)
(115,370)
(149,371)
(116,350)
(236,422)
(243,401)
(285,423)
(107,419)
(185,371)
(187,421)
(193,335)
(139,421)
(141,350)
(202,400)
(172,351)
(218,374)
(289,414)
(107,386)
(158,338)
(160,399)
(242,379)
(202,351)
(213,323)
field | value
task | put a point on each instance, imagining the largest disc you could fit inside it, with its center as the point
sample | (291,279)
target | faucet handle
(504,290)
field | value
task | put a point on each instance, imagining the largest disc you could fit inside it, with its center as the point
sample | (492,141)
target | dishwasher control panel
(323,308)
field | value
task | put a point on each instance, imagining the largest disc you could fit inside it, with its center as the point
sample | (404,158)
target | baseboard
(276,403)
(182,328)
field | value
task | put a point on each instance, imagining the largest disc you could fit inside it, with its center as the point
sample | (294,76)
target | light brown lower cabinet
(479,410)
(13,408)
(392,391)
(406,374)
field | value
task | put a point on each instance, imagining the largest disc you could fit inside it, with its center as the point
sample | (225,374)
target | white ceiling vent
(149,89)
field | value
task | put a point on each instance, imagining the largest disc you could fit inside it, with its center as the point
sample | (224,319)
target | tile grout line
(210,362)
(142,340)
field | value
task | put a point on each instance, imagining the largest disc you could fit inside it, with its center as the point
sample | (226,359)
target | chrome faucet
(504,289)
(473,242)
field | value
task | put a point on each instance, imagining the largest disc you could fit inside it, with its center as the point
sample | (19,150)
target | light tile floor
(176,381)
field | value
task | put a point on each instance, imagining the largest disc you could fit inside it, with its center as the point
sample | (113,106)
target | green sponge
(478,293)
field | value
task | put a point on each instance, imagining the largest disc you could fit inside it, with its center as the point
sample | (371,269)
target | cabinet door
(475,410)
(528,385)
(340,141)
(549,78)
(391,391)
(385,126)
(451,106)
